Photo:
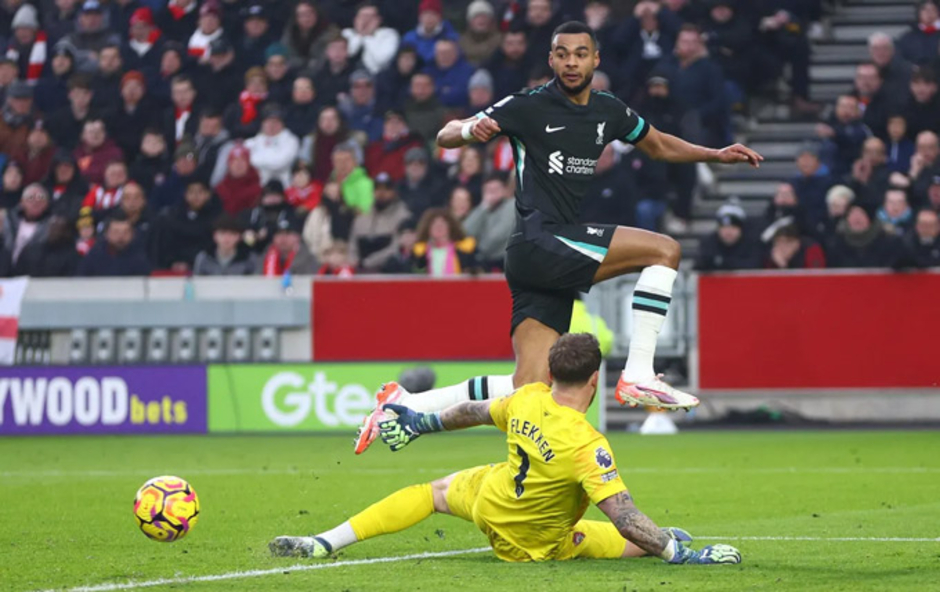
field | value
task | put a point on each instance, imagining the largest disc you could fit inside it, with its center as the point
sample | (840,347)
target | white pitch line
(822,539)
(255,573)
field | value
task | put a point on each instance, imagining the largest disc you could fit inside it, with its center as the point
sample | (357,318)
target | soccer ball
(166,508)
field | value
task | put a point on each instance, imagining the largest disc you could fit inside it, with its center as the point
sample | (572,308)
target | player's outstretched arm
(639,529)
(460,132)
(408,425)
(662,146)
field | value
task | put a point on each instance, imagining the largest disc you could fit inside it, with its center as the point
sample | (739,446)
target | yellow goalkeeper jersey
(558,464)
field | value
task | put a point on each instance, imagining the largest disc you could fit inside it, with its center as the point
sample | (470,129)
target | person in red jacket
(35,157)
(95,151)
(388,153)
(240,188)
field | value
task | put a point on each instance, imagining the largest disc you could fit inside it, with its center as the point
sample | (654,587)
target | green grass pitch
(66,520)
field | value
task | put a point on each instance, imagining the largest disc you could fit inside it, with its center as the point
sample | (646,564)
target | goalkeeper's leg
(402,509)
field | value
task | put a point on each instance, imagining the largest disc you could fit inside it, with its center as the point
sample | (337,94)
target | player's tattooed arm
(634,525)
(467,415)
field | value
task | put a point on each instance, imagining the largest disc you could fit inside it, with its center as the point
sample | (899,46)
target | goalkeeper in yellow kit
(530,506)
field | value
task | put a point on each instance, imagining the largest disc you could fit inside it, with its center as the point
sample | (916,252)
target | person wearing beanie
(240,188)
(231,256)
(178,20)
(370,43)
(209,29)
(287,252)
(221,80)
(29,44)
(256,35)
(65,185)
(262,221)
(132,115)
(274,149)
(480,90)
(59,22)
(277,69)
(90,36)
(730,247)
(431,28)
(185,229)
(16,117)
(35,157)
(481,38)
(144,44)
(52,89)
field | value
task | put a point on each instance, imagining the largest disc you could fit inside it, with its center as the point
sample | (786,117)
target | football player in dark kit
(558,131)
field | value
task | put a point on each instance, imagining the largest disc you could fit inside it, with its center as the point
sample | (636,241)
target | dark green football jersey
(556,144)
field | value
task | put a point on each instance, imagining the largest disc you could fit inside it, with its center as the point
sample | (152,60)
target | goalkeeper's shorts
(588,538)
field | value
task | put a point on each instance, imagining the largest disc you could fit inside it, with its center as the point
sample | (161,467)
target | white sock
(650,303)
(479,388)
(341,536)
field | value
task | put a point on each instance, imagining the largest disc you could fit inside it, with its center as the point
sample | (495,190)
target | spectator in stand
(789,250)
(185,229)
(60,20)
(304,107)
(730,247)
(900,148)
(65,185)
(54,257)
(240,188)
(922,110)
(243,118)
(27,224)
(28,43)
(469,172)
(182,117)
(179,19)
(333,77)
(785,206)
(611,197)
(106,81)
(336,261)
(838,200)
(423,186)
(220,78)
(598,15)
(90,36)
(329,222)
(66,124)
(306,36)
(729,39)
(510,65)
(442,248)
(17,117)
(118,255)
(95,150)
(230,256)
(11,191)
(52,90)
(698,86)
(540,23)
(144,46)
(276,68)
(812,183)
(423,110)
(262,220)
(359,109)
(274,149)
(209,29)
(35,157)
(317,148)
(304,194)
(925,164)
(923,244)
(370,43)
(402,261)
(460,203)
(860,243)
(134,207)
(213,143)
(394,83)
(491,222)
(87,235)
(895,71)
(783,35)
(388,154)
(873,98)
(933,194)
(642,41)
(481,38)
(372,238)
(355,185)
(287,252)
(895,215)
(256,36)
(432,27)
(185,169)
(104,197)
(870,175)
(152,164)
(133,114)
(843,135)
(919,45)
(480,91)
(451,73)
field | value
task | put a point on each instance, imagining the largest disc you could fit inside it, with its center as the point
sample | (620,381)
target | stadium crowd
(230,138)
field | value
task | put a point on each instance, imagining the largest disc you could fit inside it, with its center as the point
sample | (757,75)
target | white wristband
(466,131)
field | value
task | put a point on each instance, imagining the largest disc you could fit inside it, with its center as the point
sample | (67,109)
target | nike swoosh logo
(549,129)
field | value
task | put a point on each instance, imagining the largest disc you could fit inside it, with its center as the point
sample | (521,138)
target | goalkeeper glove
(407,426)
(710,555)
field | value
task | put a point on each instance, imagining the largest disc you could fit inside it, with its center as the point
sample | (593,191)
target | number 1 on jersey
(523,471)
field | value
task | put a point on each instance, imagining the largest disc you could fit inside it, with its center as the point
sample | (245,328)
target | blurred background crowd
(146,137)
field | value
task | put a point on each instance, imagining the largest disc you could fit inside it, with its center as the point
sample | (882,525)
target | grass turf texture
(66,520)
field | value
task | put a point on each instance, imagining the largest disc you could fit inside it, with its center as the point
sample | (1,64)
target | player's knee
(670,251)
(439,493)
